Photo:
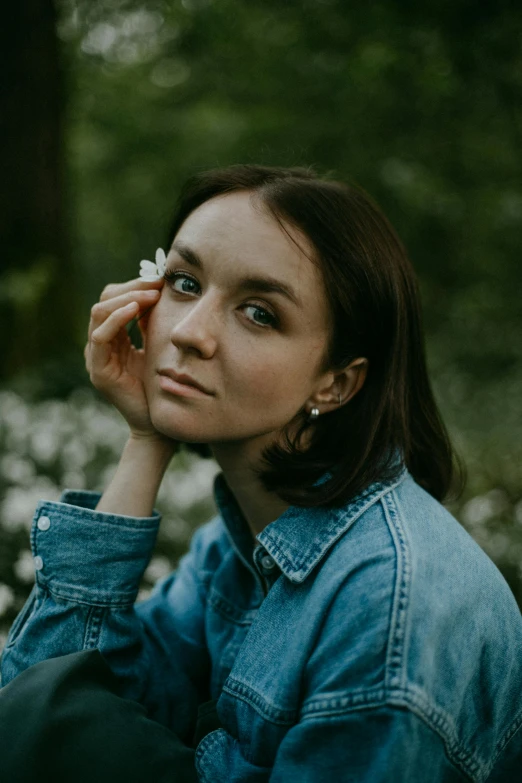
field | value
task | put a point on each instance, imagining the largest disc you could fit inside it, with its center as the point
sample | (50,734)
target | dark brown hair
(375,304)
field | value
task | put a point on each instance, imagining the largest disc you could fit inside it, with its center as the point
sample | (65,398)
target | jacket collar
(299,538)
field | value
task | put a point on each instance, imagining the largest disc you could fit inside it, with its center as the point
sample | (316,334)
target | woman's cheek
(157,324)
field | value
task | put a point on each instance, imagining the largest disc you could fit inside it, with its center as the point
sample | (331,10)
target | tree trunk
(36,282)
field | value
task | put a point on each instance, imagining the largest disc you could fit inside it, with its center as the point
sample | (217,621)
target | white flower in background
(24,567)
(158,567)
(518,513)
(44,443)
(7,598)
(17,509)
(183,488)
(17,470)
(143,594)
(150,271)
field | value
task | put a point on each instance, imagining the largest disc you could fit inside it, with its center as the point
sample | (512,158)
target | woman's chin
(175,431)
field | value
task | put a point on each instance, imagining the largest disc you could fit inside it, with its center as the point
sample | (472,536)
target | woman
(346,624)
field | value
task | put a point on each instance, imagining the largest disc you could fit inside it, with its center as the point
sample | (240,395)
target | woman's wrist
(135,484)
(154,441)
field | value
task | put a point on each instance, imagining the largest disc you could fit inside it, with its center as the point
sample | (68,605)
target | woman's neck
(259,507)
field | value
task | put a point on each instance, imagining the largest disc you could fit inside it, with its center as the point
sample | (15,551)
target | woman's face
(256,352)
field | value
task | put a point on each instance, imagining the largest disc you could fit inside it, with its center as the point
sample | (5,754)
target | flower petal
(148,268)
(161,260)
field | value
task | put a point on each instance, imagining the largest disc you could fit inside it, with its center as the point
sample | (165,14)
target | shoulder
(462,630)
(418,617)
(445,571)
(408,547)
(407,577)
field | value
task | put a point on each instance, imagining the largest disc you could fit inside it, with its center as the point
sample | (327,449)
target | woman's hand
(115,366)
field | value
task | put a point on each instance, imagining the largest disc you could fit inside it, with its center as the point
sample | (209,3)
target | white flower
(7,599)
(158,567)
(24,567)
(151,271)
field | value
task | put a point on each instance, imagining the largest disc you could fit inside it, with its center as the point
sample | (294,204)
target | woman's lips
(180,389)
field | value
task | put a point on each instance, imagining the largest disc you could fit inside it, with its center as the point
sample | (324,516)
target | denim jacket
(373,642)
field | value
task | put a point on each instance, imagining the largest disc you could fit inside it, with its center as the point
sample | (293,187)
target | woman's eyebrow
(265,285)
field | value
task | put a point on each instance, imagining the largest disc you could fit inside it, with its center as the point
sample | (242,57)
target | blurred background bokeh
(107,107)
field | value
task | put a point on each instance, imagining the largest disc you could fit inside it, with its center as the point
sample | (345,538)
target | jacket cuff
(90,556)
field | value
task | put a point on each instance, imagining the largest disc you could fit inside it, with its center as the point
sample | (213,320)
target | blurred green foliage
(418,104)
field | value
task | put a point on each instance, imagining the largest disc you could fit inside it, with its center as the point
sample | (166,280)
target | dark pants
(61,720)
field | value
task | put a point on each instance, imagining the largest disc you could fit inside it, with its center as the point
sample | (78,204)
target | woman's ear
(358,370)
(343,385)
(348,382)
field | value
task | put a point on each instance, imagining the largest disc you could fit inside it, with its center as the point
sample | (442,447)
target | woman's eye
(173,277)
(272,320)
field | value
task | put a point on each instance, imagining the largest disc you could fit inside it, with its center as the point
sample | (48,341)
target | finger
(138,284)
(87,357)
(102,310)
(103,336)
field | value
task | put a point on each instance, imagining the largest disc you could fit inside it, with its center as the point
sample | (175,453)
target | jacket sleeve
(377,745)
(88,569)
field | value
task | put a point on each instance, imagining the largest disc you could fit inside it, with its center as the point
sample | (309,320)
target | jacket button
(44,523)
(267,563)
(38,563)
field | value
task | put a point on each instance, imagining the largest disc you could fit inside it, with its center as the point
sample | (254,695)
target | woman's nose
(197,328)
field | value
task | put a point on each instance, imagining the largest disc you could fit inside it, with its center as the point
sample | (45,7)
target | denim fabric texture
(373,642)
